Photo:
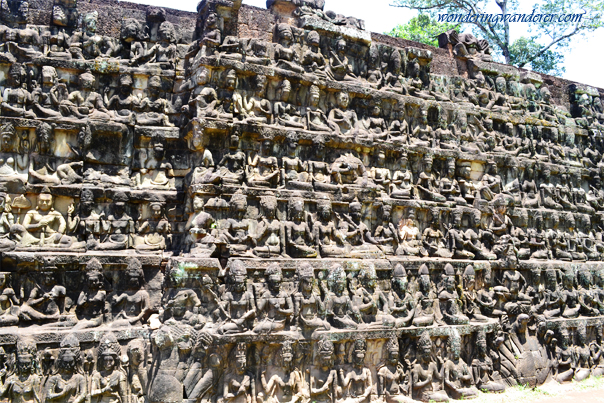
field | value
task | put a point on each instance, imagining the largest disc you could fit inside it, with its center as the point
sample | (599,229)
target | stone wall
(277,205)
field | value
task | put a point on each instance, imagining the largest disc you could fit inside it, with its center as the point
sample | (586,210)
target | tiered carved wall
(189,214)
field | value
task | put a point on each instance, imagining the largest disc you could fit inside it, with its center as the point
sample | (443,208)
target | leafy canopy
(543,46)
(422,28)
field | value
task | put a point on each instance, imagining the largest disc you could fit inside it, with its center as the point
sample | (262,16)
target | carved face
(241,363)
(393,357)
(486,279)
(108,362)
(339,285)
(306,284)
(212,20)
(156,211)
(261,82)
(197,203)
(386,213)
(49,75)
(370,281)
(400,284)
(326,359)
(95,281)
(231,81)
(67,360)
(286,35)
(24,10)
(285,92)
(133,279)
(424,282)
(286,357)
(359,357)
(324,211)
(196,141)
(274,282)
(130,30)
(87,81)
(126,85)
(135,356)
(470,282)
(14,77)
(25,363)
(292,145)
(449,283)
(90,21)
(203,76)
(427,165)
(481,344)
(355,213)
(166,32)
(343,100)
(44,202)
(315,97)
(239,283)
(455,349)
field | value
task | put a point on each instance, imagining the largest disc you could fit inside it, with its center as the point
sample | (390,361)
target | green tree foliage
(422,28)
(525,52)
(546,39)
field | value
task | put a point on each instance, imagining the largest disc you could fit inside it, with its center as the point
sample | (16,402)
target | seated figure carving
(237,301)
(85,103)
(16,98)
(340,311)
(286,56)
(275,306)
(309,310)
(92,305)
(132,307)
(263,168)
(299,237)
(270,232)
(294,172)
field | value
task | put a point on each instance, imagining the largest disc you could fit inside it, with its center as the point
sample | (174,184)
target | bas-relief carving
(318,218)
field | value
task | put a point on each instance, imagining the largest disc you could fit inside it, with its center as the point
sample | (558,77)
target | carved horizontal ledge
(54,335)
(105,66)
(348,193)
(221,127)
(336,335)
(106,193)
(65,124)
(325,27)
(575,322)
(363,90)
(39,261)
(411,264)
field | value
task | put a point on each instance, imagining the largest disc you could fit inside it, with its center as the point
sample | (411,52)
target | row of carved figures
(333,299)
(456,233)
(51,99)
(329,233)
(182,363)
(393,175)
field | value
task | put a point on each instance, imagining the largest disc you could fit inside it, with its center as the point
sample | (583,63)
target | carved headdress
(109,346)
(392,345)
(399,271)
(424,342)
(305,270)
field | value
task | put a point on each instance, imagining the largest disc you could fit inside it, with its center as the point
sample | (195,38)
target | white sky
(581,61)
